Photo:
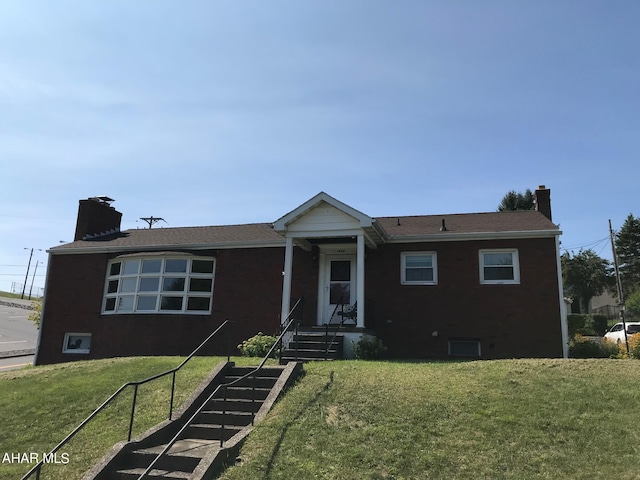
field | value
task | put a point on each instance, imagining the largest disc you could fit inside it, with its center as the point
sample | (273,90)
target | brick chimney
(542,200)
(96,218)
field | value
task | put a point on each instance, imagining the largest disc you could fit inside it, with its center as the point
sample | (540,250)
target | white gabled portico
(325,221)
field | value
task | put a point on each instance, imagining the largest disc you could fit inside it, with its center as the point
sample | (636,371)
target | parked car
(616,333)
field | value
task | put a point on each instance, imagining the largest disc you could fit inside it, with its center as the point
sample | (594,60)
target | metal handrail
(37,467)
(328,344)
(289,321)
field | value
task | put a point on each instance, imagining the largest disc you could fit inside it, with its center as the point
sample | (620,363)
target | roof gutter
(150,248)
(457,237)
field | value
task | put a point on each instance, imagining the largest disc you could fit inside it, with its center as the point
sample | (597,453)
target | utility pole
(619,285)
(152,220)
(24,286)
(33,278)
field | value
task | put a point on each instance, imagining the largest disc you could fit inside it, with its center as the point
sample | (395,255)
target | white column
(286,282)
(360,281)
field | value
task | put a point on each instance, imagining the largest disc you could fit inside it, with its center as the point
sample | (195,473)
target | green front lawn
(39,406)
(510,419)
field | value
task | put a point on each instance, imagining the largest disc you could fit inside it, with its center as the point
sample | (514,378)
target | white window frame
(68,336)
(403,268)
(515,264)
(113,300)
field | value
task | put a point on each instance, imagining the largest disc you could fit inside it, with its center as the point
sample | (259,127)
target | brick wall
(247,291)
(509,320)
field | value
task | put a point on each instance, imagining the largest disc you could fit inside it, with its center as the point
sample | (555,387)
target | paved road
(14,363)
(17,332)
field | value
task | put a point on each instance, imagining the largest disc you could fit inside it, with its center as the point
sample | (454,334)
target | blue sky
(211,112)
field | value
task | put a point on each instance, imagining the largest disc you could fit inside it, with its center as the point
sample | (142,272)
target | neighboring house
(484,285)
(605,304)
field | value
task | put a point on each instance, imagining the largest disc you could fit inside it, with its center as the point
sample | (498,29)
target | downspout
(563,308)
(44,302)
(286,280)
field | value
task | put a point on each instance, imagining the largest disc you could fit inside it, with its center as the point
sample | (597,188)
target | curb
(16,305)
(18,353)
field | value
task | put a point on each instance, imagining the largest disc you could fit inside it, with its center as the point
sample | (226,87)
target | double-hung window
(419,268)
(159,284)
(499,266)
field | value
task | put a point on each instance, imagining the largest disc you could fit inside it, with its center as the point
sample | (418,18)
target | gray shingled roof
(262,234)
(466,223)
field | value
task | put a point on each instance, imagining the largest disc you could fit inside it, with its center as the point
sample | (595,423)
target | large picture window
(159,285)
(499,266)
(419,268)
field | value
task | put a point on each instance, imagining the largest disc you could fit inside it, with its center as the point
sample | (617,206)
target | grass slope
(510,419)
(39,406)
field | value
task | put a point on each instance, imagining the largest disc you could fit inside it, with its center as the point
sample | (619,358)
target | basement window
(169,284)
(76,343)
(464,348)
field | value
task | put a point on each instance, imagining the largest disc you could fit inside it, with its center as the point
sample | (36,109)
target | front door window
(340,282)
(339,287)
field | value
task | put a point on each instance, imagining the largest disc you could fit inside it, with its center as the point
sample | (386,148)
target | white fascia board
(461,237)
(153,248)
(353,232)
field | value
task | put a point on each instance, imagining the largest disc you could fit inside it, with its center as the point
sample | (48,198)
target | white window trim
(185,294)
(403,269)
(65,349)
(516,266)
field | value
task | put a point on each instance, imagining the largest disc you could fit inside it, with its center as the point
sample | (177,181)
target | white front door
(339,286)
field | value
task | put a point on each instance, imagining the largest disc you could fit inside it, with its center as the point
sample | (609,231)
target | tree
(585,276)
(632,301)
(516,201)
(628,250)
(36,312)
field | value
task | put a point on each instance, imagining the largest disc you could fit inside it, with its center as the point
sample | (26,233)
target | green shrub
(575,321)
(583,347)
(599,323)
(592,324)
(258,345)
(369,349)
(36,312)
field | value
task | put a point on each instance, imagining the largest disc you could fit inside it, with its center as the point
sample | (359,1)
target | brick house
(484,285)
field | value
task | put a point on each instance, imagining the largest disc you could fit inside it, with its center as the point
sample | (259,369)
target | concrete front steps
(314,346)
(198,452)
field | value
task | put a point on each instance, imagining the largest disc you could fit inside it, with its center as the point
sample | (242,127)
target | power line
(595,243)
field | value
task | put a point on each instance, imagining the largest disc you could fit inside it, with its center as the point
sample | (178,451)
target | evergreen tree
(628,250)
(516,201)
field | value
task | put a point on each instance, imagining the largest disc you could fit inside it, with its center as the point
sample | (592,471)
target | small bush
(599,323)
(369,349)
(583,347)
(257,346)
(634,347)
(575,321)
(583,324)
(36,312)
